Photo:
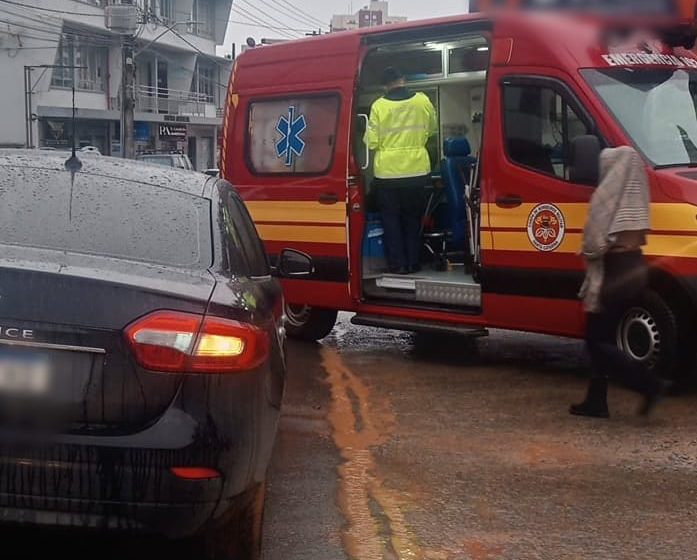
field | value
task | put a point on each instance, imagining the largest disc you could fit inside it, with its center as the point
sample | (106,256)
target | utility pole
(128,100)
(123,19)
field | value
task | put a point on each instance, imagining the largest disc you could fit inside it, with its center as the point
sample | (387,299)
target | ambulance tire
(309,323)
(649,333)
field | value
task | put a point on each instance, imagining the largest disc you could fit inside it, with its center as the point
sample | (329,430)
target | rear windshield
(159,160)
(103,216)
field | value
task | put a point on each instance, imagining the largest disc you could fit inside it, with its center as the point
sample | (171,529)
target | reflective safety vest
(398,132)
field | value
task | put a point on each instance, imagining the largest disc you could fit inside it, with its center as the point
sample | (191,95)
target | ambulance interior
(452,72)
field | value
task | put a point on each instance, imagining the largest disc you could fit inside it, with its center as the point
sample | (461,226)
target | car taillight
(171,341)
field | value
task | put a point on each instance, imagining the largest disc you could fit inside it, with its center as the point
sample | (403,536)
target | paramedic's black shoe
(650,401)
(402,271)
(595,405)
(415,269)
(589,410)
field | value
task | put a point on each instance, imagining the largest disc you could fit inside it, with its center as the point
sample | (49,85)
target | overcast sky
(309,14)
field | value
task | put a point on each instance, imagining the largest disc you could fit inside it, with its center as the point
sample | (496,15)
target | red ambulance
(525,101)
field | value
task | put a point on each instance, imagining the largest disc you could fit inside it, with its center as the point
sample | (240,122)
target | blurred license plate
(24,373)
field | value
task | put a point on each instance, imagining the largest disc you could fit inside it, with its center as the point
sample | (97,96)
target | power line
(272,18)
(271,27)
(55,28)
(206,55)
(285,11)
(85,39)
(173,62)
(51,9)
(303,12)
(18,48)
(260,23)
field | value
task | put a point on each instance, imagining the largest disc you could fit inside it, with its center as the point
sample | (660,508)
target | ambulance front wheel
(309,323)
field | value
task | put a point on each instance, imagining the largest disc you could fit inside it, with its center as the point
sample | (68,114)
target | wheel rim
(298,315)
(639,337)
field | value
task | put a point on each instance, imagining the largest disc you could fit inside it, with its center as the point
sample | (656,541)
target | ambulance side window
(539,125)
(293,135)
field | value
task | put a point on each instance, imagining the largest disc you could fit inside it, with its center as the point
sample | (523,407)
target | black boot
(595,405)
(656,396)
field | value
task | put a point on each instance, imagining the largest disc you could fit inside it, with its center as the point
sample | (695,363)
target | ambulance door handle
(366,161)
(328,198)
(509,201)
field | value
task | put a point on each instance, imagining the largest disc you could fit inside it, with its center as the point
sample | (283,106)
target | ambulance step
(467,294)
(461,295)
(413,325)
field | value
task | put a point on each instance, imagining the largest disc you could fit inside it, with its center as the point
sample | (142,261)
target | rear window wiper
(691,165)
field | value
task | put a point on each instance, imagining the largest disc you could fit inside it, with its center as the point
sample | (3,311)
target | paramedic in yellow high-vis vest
(400,125)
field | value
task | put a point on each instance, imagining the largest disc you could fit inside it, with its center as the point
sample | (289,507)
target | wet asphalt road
(394,446)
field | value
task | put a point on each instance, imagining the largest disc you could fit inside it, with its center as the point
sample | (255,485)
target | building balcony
(150,99)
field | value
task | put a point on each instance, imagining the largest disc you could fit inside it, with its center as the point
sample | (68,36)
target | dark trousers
(402,204)
(626,277)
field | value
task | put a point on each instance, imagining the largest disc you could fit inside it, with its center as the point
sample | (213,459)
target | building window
(539,125)
(296,135)
(158,10)
(93,60)
(202,15)
(166,10)
(205,82)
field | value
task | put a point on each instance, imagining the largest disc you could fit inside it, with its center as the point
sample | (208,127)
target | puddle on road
(375,525)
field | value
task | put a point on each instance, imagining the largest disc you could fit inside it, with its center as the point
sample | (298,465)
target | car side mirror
(293,264)
(585,160)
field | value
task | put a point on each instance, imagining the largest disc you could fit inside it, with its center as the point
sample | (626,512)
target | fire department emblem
(546,227)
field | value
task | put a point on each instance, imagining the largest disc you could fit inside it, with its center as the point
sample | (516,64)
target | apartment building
(47,46)
(374,14)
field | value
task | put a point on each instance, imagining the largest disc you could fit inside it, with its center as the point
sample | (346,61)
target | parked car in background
(178,161)
(141,351)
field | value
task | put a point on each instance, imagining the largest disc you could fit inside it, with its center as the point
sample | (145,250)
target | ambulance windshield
(656,107)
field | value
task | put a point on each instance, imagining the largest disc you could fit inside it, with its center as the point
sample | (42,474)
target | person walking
(401,122)
(617,275)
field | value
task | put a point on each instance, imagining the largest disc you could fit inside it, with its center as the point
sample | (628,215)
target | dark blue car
(141,351)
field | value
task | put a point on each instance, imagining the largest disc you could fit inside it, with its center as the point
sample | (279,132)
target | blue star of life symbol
(291,145)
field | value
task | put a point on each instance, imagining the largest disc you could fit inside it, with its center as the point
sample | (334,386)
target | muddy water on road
(375,525)
(451,451)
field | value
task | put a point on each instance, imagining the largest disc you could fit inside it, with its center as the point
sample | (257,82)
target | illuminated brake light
(213,345)
(174,342)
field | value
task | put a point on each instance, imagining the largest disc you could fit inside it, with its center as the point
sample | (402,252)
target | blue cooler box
(373,243)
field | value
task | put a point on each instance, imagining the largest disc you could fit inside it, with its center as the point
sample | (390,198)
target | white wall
(12,62)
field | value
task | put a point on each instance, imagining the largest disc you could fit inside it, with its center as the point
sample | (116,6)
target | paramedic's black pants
(626,277)
(402,204)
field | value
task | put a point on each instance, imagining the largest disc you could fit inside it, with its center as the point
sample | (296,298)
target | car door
(535,213)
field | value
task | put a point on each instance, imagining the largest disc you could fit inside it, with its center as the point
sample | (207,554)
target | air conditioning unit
(121,18)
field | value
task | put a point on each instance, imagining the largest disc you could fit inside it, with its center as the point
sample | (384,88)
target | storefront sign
(172,131)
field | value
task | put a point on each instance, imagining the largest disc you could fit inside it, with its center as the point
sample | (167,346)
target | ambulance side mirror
(293,264)
(584,168)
